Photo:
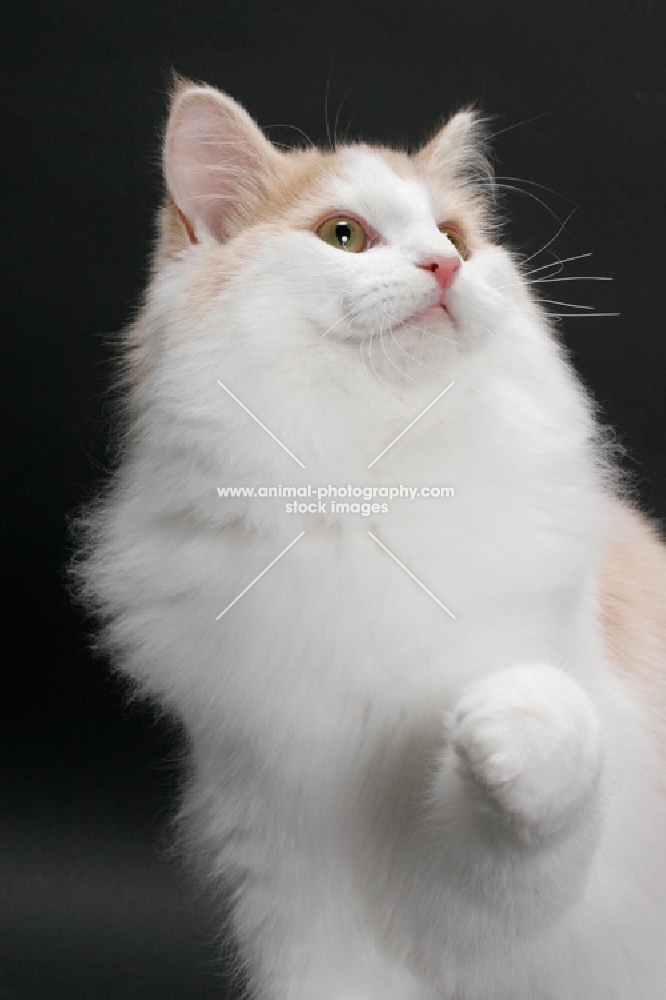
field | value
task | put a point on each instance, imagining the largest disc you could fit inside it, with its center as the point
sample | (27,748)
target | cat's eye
(343,233)
(456,237)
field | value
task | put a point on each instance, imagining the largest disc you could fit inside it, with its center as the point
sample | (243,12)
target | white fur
(398,805)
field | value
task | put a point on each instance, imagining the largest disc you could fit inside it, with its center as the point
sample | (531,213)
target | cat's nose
(443,268)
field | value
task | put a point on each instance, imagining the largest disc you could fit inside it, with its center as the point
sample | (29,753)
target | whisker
(526,121)
(383,347)
(529,194)
(333,325)
(553,238)
(557,263)
(337,116)
(372,364)
(579,315)
(360,354)
(419,330)
(570,305)
(346,139)
(328,127)
(523,180)
(573,277)
(427,333)
(294,127)
(554,263)
(552,278)
(411,357)
(388,358)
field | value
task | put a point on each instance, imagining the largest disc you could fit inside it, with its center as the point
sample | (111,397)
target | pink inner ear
(212,158)
(189,228)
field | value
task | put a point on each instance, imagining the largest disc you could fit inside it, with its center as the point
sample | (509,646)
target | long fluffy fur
(396,805)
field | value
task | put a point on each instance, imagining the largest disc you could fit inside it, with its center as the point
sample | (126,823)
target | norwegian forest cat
(426,734)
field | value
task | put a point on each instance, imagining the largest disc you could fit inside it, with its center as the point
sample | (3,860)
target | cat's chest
(433,593)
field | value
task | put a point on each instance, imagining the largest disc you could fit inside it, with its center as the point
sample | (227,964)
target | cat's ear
(458,152)
(216,160)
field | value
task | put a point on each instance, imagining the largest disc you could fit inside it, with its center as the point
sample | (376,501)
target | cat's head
(387,254)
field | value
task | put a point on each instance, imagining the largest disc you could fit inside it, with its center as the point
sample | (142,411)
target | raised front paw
(528,739)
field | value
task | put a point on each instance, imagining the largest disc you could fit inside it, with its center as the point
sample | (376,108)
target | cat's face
(372,247)
(384,251)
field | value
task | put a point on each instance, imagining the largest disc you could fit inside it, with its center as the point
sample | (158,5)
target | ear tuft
(459,152)
(216,160)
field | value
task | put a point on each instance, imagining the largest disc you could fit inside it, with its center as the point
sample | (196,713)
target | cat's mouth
(429,321)
(438,312)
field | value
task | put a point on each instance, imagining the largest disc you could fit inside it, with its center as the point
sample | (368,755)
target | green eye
(344,234)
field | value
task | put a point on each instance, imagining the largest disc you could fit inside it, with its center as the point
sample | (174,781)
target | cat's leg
(529,739)
(517,794)
(314,942)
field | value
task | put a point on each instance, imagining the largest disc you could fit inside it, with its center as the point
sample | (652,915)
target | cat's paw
(529,740)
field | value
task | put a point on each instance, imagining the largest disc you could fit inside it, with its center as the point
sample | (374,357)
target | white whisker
(529,194)
(294,127)
(348,127)
(333,325)
(428,333)
(414,360)
(523,180)
(372,364)
(360,354)
(579,315)
(526,121)
(328,127)
(569,305)
(406,353)
(388,358)
(552,239)
(337,116)
(554,263)
(573,277)
(559,265)
(420,331)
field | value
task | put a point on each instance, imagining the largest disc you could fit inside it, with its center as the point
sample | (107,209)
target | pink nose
(443,269)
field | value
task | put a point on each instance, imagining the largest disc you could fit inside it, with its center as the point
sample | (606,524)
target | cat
(426,740)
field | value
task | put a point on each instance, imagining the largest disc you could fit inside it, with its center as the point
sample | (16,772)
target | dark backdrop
(91,903)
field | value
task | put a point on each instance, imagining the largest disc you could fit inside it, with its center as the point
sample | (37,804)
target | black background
(91,903)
